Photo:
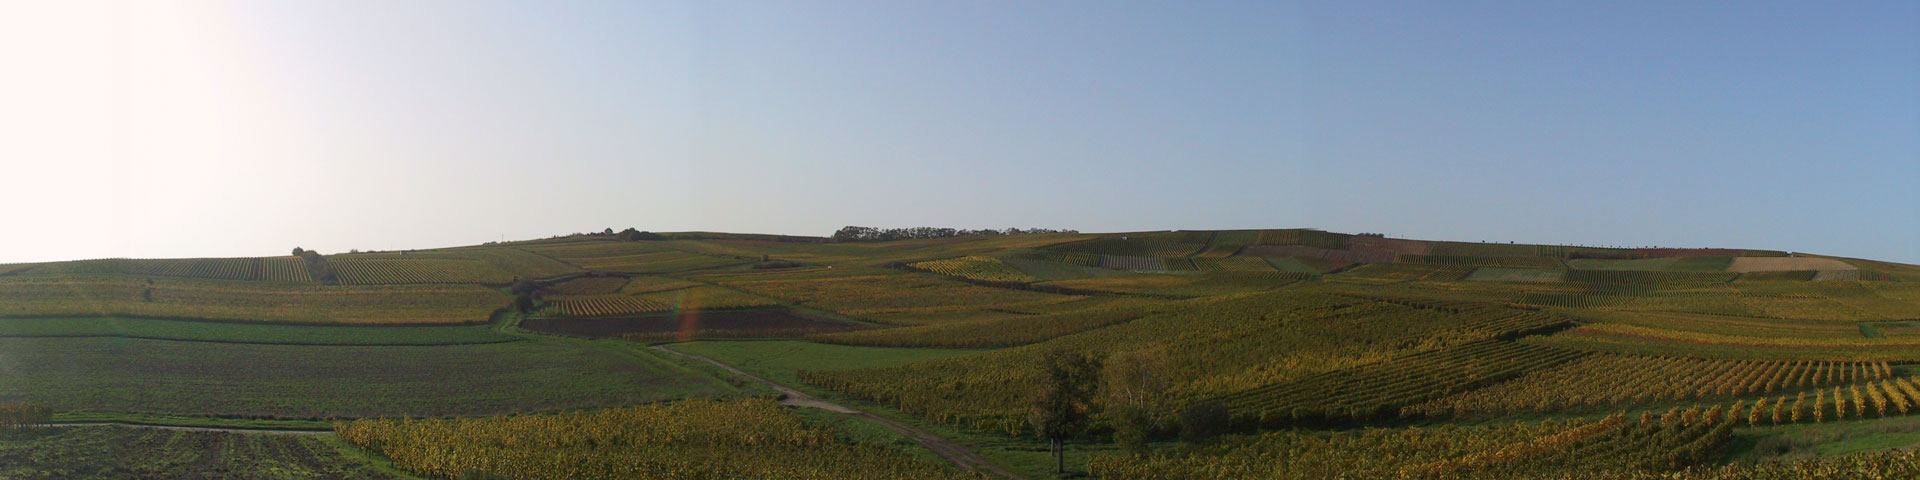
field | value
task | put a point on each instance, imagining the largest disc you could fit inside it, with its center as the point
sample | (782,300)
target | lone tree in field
(1135,384)
(1065,401)
(297,251)
(524,294)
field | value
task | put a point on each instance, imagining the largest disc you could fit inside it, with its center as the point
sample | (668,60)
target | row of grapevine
(1620,380)
(1616,446)
(1156,244)
(692,439)
(1407,272)
(1133,263)
(185,298)
(656,262)
(520,263)
(999,331)
(354,270)
(707,298)
(1875,398)
(603,305)
(268,269)
(1641,277)
(22,414)
(1311,238)
(1070,258)
(1233,264)
(1331,255)
(1482,249)
(1896,463)
(1379,391)
(975,267)
(1460,260)
(589,286)
(881,295)
(1217,346)
(1226,243)
(1674,440)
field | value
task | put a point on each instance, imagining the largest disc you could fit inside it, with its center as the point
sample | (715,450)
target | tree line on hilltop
(870,234)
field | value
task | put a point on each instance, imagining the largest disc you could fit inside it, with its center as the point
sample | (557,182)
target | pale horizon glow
(225,129)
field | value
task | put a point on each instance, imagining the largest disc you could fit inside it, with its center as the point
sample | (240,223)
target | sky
(192,129)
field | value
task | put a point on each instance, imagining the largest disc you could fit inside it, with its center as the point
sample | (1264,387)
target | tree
(297,251)
(871,234)
(1135,384)
(525,294)
(632,235)
(1065,401)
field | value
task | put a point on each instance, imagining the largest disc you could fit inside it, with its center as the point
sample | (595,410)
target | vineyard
(589,286)
(123,452)
(249,332)
(1666,264)
(1217,283)
(1216,347)
(882,295)
(996,331)
(692,439)
(268,269)
(366,269)
(518,262)
(689,325)
(706,298)
(1627,380)
(313,382)
(1499,274)
(112,295)
(1509,262)
(603,305)
(1405,272)
(1154,244)
(1233,264)
(1615,446)
(644,284)
(1624,338)
(981,268)
(1292,353)
(1379,391)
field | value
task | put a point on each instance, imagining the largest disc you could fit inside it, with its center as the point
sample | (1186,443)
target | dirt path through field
(948,449)
(185,428)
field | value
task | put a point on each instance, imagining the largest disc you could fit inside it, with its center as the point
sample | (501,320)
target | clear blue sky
(245,128)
